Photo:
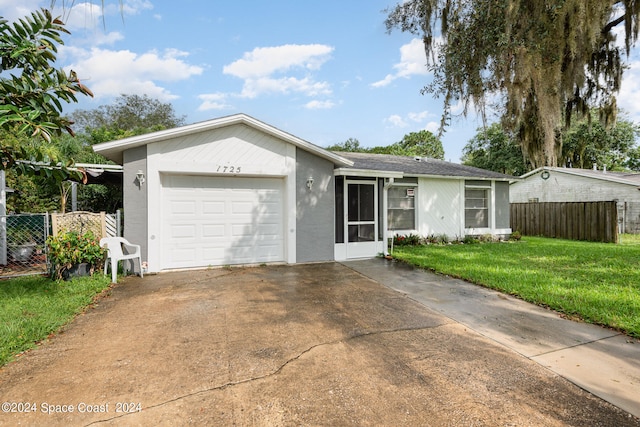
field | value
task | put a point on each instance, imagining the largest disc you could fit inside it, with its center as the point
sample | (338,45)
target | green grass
(596,282)
(629,239)
(32,307)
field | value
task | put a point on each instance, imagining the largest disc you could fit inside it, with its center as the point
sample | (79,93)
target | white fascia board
(366,173)
(391,174)
(533,172)
(584,173)
(603,177)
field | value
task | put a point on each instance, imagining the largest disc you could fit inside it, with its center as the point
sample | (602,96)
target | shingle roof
(423,166)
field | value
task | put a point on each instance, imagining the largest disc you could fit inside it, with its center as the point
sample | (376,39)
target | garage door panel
(271,230)
(213,230)
(250,232)
(213,253)
(219,220)
(239,208)
(183,231)
(183,208)
(183,255)
(213,208)
(250,254)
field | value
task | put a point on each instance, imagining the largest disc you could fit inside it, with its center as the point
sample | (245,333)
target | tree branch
(612,24)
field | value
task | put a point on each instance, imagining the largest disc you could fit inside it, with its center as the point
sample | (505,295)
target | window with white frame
(476,204)
(401,207)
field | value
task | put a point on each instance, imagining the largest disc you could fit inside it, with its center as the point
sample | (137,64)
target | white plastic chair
(115,253)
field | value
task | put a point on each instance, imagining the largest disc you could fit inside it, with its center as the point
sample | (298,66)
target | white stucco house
(235,190)
(555,184)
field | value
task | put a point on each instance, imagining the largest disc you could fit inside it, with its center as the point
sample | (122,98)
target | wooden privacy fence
(592,221)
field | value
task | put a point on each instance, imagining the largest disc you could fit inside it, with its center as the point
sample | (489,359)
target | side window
(401,209)
(476,204)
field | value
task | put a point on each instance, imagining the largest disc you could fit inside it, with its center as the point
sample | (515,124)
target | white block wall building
(552,184)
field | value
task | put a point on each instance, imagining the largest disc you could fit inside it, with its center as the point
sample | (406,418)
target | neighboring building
(553,184)
(235,190)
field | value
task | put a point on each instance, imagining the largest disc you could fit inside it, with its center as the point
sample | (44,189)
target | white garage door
(210,221)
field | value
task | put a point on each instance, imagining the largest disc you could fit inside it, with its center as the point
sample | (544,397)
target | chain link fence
(23,244)
(23,249)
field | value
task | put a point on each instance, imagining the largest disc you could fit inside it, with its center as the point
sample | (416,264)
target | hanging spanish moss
(544,61)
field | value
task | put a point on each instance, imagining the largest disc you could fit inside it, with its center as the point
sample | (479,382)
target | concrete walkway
(601,361)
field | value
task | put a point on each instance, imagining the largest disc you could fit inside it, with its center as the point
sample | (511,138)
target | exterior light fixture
(140,177)
(310,182)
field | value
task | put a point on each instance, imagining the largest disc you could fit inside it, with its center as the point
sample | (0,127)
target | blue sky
(323,70)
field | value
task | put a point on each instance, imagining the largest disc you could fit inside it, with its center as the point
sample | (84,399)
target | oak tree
(543,61)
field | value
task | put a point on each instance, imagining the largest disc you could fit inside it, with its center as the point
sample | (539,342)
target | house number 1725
(228,169)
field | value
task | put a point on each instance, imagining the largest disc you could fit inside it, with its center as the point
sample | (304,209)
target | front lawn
(33,307)
(596,282)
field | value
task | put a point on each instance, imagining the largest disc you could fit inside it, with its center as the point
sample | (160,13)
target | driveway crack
(274,372)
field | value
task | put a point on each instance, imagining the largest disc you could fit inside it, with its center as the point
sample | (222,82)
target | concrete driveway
(317,344)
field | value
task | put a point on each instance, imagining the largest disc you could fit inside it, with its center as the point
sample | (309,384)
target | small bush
(470,240)
(516,235)
(409,240)
(432,238)
(443,239)
(70,248)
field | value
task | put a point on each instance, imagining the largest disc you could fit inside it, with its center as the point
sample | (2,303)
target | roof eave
(396,174)
(346,171)
(581,173)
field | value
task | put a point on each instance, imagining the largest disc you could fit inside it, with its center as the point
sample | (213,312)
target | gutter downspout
(385,231)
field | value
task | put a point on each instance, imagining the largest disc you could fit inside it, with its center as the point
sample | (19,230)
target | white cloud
(264,61)
(111,73)
(396,120)
(13,10)
(433,127)
(458,108)
(384,82)
(132,7)
(412,117)
(413,61)
(87,15)
(86,20)
(264,85)
(213,101)
(80,16)
(629,97)
(418,117)
(319,105)
(276,70)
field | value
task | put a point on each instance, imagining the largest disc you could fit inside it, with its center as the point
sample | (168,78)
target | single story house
(235,190)
(556,184)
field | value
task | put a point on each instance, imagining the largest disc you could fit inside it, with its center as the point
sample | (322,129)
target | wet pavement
(316,344)
(600,360)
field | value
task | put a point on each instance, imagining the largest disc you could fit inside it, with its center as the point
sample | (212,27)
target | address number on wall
(228,169)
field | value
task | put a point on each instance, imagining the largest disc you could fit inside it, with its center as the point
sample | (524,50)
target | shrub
(71,248)
(431,238)
(470,240)
(516,235)
(443,239)
(409,240)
